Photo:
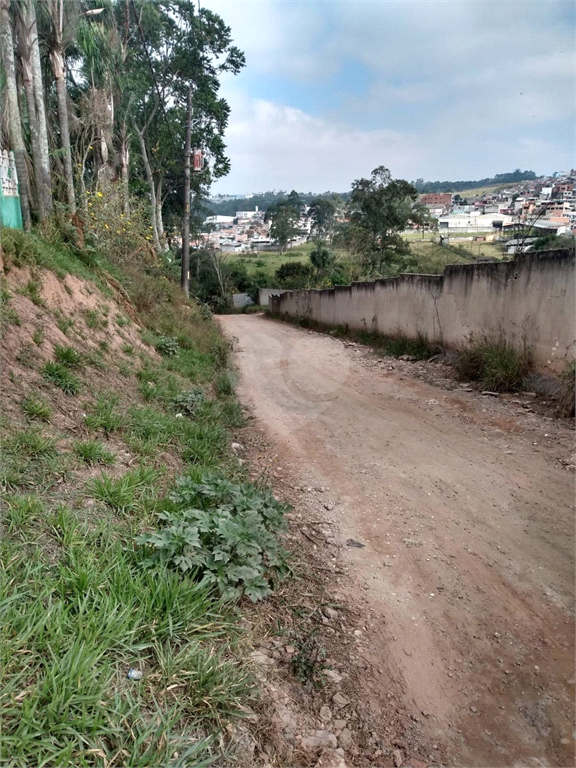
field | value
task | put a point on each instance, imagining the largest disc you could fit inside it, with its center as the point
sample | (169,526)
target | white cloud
(455,88)
(277,147)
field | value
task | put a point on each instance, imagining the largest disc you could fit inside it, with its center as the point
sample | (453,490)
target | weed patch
(223,534)
(36,408)
(496,365)
(69,357)
(566,396)
(60,375)
(93,452)
(104,415)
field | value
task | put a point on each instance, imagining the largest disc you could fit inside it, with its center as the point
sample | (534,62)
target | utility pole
(185,274)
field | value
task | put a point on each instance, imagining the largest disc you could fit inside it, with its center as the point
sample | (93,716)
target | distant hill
(263,201)
(457,186)
(228,207)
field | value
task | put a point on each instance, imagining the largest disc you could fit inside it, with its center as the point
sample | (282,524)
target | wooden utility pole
(185,274)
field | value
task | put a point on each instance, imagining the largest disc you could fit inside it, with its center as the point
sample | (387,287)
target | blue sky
(437,89)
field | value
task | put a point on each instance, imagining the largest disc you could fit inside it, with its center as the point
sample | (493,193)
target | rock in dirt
(319,740)
(336,677)
(325,714)
(398,758)
(330,613)
(354,543)
(339,724)
(340,700)
(331,758)
(345,739)
(417,763)
(261,658)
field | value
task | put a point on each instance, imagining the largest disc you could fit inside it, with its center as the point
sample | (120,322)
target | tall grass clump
(496,365)
(565,406)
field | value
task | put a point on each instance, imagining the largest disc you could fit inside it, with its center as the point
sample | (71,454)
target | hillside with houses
(546,206)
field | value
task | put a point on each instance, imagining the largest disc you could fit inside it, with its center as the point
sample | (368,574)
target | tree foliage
(116,76)
(293,275)
(379,209)
(284,217)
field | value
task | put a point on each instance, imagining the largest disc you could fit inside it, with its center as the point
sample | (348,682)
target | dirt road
(466,510)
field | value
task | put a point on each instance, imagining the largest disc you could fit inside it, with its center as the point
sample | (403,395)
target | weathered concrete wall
(529,301)
(265,293)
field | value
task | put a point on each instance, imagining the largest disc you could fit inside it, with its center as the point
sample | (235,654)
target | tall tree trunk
(37,79)
(124,160)
(24,49)
(58,65)
(185,270)
(152,188)
(159,221)
(11,94)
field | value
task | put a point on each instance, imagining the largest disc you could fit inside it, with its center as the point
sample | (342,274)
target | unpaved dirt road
(467,517)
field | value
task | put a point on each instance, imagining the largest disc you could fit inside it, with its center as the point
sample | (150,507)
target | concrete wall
(529,301)
(240,300)
(265,293)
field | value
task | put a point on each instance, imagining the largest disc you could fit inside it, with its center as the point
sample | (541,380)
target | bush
(167,346)
(222,534)
(189,402)
(496,365)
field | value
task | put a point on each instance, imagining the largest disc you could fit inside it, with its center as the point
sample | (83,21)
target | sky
(432,89)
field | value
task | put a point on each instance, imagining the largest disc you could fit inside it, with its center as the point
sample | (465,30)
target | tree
(284,217)
(61,20)
(379,209)
(293,275)
(13,109)
(28,53)
(322,212)
(321,258)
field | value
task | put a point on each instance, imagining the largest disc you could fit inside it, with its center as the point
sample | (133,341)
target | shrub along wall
(528,302)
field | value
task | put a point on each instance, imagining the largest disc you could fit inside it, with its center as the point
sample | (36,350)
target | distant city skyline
(432,89)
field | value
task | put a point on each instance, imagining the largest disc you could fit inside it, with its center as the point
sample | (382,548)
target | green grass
(69,357)
(32,291)
(33,443)
(495,365)
(433,257)
(269,261)
(64,323)
(93,452)
(60,375)
(224,386)
(36,408)
(38,336)
(20,511)
(104,414)
(31,460)
(93,320)
(133,492)
(73,624)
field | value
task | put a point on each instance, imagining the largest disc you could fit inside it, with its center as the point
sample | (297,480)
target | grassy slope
(269,261)
(480,191)
(93,439)
(432,257)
